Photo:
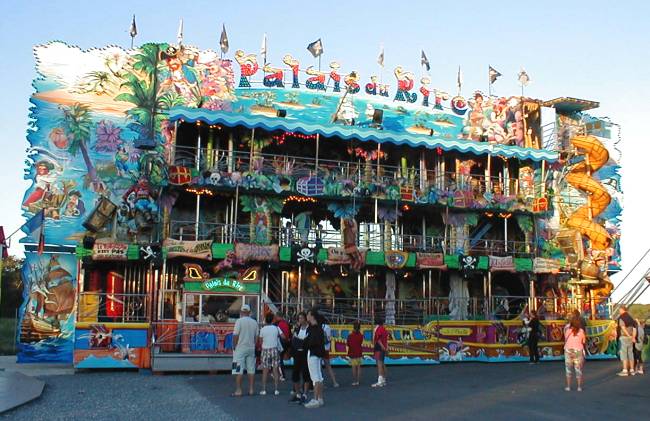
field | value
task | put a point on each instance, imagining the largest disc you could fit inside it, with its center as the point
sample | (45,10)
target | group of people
(630,335)
(309,344)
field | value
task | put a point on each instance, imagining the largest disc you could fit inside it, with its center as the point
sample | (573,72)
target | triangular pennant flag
(263,50)
(179,36)
(316,48)
(380,58)
(425,61)
(133,31)
(34,223)
(223,41)
(494,74)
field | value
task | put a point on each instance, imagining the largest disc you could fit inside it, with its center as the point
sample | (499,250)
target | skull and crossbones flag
(467,264)
(303,255)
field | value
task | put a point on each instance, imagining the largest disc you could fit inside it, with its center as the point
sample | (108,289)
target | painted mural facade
(102,153)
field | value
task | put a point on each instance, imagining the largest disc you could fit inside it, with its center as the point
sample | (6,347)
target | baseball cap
(245,308)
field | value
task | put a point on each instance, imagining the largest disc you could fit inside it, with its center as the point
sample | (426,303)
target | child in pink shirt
(574,352)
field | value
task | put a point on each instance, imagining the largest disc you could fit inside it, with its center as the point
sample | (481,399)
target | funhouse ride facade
(179,184)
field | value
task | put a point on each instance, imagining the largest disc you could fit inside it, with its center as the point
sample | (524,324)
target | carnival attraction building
(178,184)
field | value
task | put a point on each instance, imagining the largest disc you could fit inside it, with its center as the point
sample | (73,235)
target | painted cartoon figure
(424,90)
(351,83)
(45,176)
(317,79)
(248,67)
(335,76)
(143,198)
(495,131)
(476,117)
(274,78)
(182,76)
(75,206)
(405,81)
(295,69)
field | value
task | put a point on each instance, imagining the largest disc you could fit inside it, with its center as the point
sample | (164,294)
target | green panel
(452,261)
(133,252)
(322,255)
(410,261)
(222,285)
(523,265)
(375,258)
(219,250)
(82,252)
(483,263)
(285,254)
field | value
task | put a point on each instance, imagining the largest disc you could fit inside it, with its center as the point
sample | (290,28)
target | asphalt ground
(447,391)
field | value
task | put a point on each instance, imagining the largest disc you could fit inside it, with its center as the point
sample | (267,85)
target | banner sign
(338,256)
(194,249)
(254,252)
(502,264)
(542,265)
(109,250)
(222,285)
(395,259)
(430,261)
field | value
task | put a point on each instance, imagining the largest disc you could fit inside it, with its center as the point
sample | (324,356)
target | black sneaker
(295,398)
(303,399)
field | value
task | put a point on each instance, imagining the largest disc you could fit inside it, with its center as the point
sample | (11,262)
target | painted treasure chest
(179,175)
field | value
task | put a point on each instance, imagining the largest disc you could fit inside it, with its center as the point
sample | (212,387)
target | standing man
(243,358)
(315,345)
(533,337)
(627,337)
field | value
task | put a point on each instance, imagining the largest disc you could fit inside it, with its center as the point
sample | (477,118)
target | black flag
(223,41)
(316,48)
(425,61)
(494,74)
(133,31)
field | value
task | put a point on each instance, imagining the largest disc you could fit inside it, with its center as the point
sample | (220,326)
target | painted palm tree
(143,86)
(78,124)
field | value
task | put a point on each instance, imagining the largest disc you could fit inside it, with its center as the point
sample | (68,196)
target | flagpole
(489,83)
(319,61)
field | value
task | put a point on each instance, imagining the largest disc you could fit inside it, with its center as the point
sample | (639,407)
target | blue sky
(594,50)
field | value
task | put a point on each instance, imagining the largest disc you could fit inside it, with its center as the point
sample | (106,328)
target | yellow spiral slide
(596,156)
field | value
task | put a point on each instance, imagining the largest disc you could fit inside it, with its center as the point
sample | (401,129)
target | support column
(317,152)
(198,169)
(231,151)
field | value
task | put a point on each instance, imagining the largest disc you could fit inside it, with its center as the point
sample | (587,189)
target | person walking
(574,352)
(627,329)
(380,341)
(638,346)
(300,372)
(315,345)
(243,358)
(355,352)
(533,337)
(271,344)
(327,330)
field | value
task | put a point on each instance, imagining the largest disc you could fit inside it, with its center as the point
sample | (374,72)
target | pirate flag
(494,74)
(467,265)
(304,255)
(316,48)
(223,41)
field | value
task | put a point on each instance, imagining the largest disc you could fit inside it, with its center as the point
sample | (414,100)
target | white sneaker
(263,392)
(276,393)
(623,373)
(321,402)
(378,384)
(632,373)
(314,403)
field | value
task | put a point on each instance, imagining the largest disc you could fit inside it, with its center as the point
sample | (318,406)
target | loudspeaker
(377,117)
(281,113)
(88,242)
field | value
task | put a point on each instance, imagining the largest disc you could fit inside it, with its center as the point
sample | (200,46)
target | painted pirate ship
(183,184)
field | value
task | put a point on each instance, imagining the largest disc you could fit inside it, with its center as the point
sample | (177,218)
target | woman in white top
(270,336)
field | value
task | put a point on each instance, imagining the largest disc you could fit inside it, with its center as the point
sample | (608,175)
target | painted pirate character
(294,64)
(405,81)
(248,67)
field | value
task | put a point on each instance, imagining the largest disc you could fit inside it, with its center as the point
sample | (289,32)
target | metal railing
(118,308)
(351,173)
(422,311)
(371,237)
(192,338)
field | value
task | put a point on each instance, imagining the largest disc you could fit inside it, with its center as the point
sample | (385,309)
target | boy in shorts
(380,341)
